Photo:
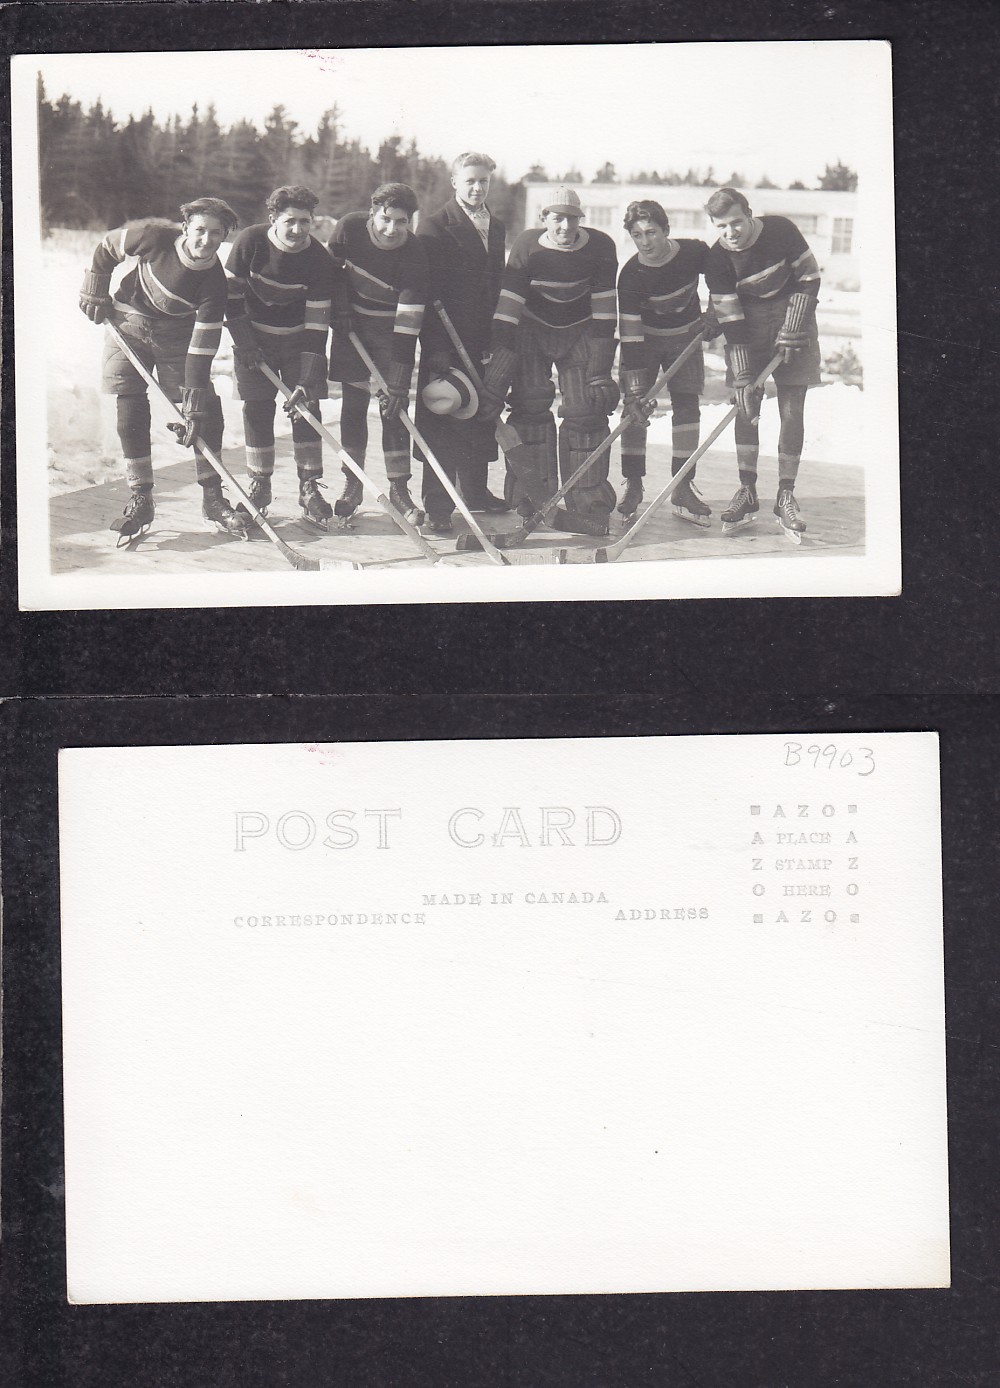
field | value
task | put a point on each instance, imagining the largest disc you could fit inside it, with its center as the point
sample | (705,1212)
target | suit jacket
(465,276)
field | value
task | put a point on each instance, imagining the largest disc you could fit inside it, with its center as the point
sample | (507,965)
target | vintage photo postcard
(324,326)
(507,1017)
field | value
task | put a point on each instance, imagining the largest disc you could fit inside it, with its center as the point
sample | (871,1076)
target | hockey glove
(637,411)
(194,407)
(793,334)
(312,379)
(710,325)
(392,401)
(95,296)
(499,372)
(746,397)
(250,360)
(602,392)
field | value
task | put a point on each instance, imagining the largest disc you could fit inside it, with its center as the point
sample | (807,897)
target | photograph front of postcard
(507,1017)
(325,326)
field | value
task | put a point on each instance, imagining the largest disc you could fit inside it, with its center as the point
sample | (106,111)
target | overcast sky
(781,109)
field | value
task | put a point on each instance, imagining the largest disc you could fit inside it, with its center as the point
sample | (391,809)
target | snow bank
(834,420)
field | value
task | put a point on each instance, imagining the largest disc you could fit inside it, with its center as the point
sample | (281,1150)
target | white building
(827,220)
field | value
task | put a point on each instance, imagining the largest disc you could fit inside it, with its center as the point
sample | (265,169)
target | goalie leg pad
(593,496)
(531,478)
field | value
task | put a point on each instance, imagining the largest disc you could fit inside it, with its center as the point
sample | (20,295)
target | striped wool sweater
(560,289)
(278,293)
(778,264)
(659,304)
(167,283)
(381,286)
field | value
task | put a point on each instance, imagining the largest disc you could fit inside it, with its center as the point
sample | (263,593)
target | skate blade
(317,524)
(794,535)
(734,527)
(252,530)
(128,541)
(691,517)
(212,525)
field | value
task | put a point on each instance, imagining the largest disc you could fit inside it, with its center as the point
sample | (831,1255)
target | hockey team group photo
(352,323)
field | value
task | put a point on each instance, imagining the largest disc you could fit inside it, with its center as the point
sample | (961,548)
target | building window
(686,219)
(599,216)
(806,222)
(843,233)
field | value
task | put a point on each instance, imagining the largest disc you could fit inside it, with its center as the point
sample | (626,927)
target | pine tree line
(96,172)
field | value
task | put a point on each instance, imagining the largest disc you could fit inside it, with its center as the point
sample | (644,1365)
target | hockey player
(464,242)
(659,315)
(764,280)
(280,287)
(170,308)
(379,293)
(557,306)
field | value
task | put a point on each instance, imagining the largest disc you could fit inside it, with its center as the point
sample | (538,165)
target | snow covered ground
(83,444)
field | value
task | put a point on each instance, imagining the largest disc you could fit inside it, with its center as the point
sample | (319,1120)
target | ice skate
(688,505)
(439,525)
(220,515)
(741,511)
(315,508)
(786,509)
(350,500)
(631,497)
(576,524)
(135,520)
(399,495)
(259,492)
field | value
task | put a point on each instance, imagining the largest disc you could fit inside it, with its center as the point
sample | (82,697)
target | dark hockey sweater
(779,263)
(280,292)
(168,283)
(658,303)
(558,288)
(381,286)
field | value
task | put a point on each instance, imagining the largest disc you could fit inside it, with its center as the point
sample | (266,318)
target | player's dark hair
(720,203)
(646,210)
(291,195)
(395,195)
(211,207)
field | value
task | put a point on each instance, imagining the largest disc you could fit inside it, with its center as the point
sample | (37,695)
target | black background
(923,660)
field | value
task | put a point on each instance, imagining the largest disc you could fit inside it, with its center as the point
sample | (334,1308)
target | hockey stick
(513,539)
(411,531)
(298,561)
(415,434)
(609,553)
(507,437)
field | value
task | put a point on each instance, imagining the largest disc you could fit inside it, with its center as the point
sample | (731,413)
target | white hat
(566,200)
(453,393)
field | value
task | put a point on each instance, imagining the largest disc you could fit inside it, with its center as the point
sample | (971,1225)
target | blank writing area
(294,1069)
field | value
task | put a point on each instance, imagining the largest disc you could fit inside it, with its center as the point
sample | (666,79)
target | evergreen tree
(838,178)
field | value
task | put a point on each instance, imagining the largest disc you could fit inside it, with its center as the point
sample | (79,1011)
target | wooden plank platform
(830,495)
